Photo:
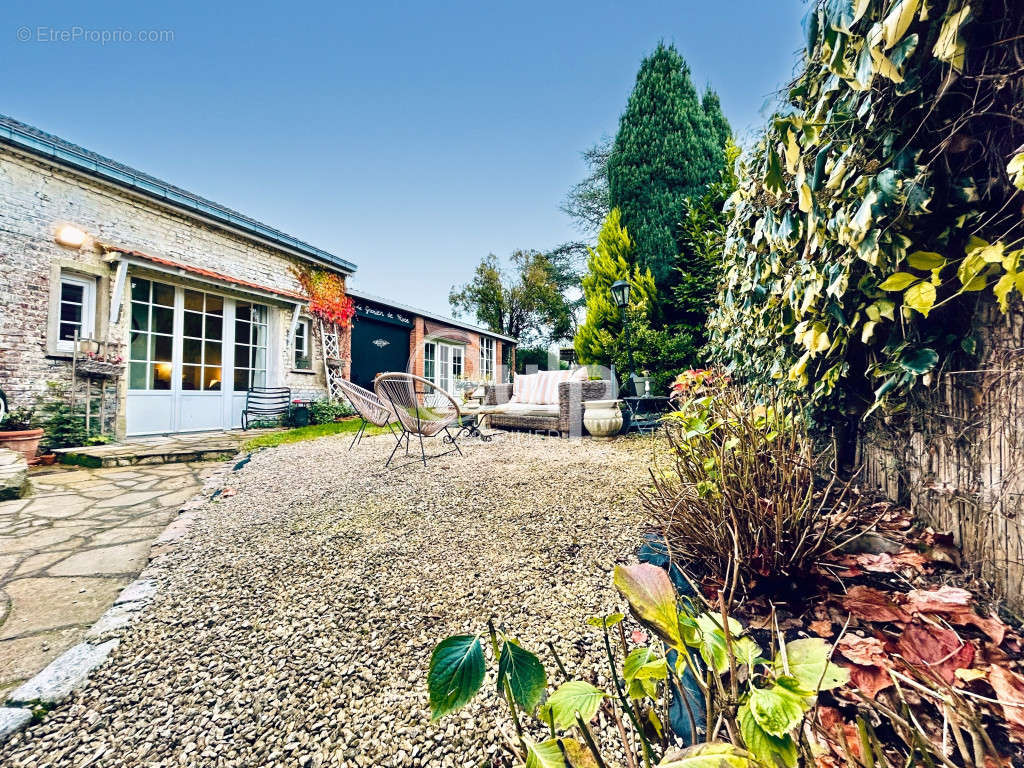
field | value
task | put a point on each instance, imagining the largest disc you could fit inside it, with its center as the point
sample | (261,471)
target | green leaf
(843,14)
(605,622)
(919,361)
(921,297)
(898,281)
(559,753)
(777,709)
(651,596)
(896,23)
(746,651)
(949,46)
(525,675)
(764,746)
(570,698)
(712,640)
(711,755)
(645,667)
(808,661)
(1015,169)
(456,673)
(547,754)
(926,260)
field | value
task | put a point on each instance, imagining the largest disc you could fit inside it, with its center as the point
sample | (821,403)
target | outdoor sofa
(549,401)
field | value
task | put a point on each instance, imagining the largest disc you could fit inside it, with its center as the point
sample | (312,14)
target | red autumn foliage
(936,649)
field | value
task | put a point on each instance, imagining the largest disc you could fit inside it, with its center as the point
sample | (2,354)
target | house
(200,301)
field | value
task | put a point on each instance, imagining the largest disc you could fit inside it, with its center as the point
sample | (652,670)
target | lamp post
(620,295)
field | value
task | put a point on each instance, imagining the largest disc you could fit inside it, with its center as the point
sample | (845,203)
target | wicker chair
(421,408)
(566,420)
(370,409)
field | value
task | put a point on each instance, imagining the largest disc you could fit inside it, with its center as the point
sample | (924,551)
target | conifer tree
(599,336)
(713,109)
(667,149)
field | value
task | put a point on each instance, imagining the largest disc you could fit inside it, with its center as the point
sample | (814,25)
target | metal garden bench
(266,403)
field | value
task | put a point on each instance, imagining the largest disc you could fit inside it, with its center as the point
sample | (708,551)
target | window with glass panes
(203,333)
(457,355)
(429,361)
(250,346)
(302,335)
(77,314)
(487,357)
(152,335)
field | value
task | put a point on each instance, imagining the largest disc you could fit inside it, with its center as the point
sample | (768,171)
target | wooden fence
(956,456)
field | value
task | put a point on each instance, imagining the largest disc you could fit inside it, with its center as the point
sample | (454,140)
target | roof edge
(66,154)
(358,294)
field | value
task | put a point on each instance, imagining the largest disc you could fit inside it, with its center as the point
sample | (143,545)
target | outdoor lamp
(620,293)
(70,235)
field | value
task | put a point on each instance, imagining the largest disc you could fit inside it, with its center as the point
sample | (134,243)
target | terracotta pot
(25,442)
(47,459)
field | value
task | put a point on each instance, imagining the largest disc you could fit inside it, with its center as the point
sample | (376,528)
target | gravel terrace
(294,624)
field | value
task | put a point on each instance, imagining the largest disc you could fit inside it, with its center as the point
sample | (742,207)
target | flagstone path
(70,547)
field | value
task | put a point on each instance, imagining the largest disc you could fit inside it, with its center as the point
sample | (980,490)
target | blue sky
(411,138)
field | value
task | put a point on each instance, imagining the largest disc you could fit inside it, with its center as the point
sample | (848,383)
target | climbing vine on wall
(327,297)
(880,204)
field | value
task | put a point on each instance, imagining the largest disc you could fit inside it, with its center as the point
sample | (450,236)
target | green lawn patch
(311,432)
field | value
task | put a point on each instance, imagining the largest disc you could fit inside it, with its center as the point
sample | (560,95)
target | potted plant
(18,432)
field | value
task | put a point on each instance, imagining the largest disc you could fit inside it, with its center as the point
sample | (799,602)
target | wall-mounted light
(70,235)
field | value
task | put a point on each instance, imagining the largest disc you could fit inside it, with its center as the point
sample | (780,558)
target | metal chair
(265,402)
(421,408)
(370,409)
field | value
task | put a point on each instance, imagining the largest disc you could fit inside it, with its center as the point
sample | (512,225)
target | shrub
(19,419)
(758,697)
(739,505)
(325,411)
(64,426)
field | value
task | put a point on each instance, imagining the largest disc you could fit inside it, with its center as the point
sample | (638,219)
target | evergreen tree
(668,148)
(599,337)
(713,109)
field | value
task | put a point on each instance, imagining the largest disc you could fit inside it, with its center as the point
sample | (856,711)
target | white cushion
(525,409)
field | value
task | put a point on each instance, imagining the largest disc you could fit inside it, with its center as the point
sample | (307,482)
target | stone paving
(68,549)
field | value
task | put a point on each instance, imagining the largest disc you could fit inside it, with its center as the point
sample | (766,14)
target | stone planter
(602,418)
(25,442)
(13,477)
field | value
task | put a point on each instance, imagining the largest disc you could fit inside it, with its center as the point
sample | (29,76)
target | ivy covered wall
(883,199)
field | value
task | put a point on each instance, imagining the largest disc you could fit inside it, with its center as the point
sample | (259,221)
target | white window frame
(88,324)
(487,359)
(306,349)
(442,355)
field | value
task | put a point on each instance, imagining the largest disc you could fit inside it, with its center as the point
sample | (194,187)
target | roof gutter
(195,206)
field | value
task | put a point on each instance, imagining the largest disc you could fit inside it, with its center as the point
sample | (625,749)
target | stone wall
(956,455)
(36,197)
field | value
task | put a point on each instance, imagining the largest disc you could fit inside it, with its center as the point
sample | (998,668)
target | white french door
(443,364)
(192,354)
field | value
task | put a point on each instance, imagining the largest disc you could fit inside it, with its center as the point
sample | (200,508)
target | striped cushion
(522,388)
(546,392)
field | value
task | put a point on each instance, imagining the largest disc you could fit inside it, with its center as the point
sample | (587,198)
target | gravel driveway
(294,625)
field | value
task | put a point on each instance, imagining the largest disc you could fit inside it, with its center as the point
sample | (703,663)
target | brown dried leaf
(821,627)
(883,562)
(863,650)
(873,605)
(954,604)
(1009,688)
(936,649)
(869,680)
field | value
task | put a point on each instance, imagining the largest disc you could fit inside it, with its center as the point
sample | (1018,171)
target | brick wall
(35,198)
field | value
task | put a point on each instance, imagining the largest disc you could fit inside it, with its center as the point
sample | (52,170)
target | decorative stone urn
(602,418)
